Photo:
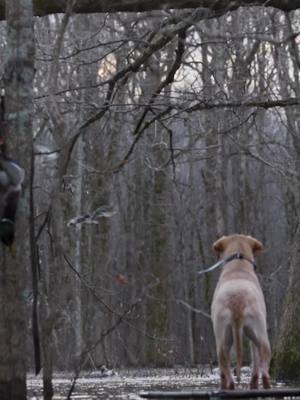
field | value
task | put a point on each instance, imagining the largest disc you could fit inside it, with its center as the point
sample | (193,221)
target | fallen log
(223,394)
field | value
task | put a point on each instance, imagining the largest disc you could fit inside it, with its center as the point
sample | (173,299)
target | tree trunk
(18,83)
(157,321)
(287,352)
(78,256)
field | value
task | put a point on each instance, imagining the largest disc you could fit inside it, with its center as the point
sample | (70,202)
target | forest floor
(127,384)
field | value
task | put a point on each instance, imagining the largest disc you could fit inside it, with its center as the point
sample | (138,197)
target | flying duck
(93,217)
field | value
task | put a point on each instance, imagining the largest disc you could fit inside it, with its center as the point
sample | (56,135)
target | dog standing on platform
(238,308)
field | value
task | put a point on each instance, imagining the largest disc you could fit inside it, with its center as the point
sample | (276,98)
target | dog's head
(238,243)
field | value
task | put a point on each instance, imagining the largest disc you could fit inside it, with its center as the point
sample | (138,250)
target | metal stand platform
(223,394)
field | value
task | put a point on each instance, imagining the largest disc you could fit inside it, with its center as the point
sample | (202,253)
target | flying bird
(11,179)
(93,217)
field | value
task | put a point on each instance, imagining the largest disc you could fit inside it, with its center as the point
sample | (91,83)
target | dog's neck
(238,256)
(238,247)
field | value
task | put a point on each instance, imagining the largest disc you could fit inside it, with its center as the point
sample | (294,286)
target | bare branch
(100,6)
(266,104)
(191,308)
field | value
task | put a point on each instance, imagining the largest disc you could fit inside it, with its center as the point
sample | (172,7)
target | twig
(88,286)
(191,308)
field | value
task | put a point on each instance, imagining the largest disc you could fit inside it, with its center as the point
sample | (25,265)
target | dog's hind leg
(255,367)
(256,331)
(223,351)
(224,365)
(265,357)
(238,344)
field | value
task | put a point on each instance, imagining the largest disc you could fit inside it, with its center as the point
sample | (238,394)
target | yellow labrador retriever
(238,308)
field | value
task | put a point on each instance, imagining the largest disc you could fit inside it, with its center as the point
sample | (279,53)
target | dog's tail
(238,345)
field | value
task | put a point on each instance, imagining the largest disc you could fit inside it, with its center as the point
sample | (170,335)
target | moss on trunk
(157,321)
(286,358)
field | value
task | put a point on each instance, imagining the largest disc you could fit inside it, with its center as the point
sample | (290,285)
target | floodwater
(127,384)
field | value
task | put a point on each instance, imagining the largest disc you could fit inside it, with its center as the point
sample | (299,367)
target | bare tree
(18,85)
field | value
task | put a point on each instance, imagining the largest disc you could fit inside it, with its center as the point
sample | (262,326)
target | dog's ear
(219,245)
(255,244)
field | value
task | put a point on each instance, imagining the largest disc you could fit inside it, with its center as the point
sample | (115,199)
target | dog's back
(238,305)
(234,307)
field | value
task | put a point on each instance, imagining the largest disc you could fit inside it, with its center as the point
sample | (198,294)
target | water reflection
(127,384)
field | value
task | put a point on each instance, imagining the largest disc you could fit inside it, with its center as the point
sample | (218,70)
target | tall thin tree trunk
(18,82)
(78,261)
